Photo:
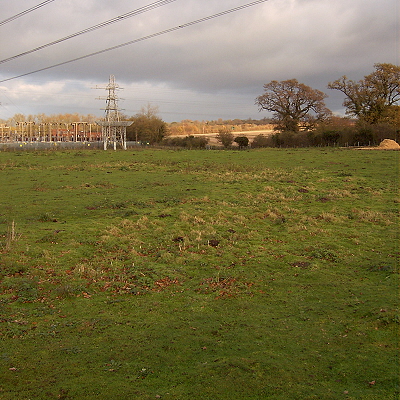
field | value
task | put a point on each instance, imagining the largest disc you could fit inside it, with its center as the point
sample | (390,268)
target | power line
(153,35)
(25,12)
(119,18)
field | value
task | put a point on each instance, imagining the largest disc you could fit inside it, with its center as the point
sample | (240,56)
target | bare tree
(295,106)
(147,126)
(374,98)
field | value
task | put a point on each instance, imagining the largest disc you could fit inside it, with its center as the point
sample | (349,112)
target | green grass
(264,274)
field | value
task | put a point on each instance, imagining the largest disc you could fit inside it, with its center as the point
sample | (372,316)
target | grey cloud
(228,57)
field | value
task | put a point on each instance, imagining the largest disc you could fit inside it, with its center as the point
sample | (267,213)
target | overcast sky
(214,69)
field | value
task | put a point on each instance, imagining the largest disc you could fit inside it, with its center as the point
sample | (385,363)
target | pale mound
(389,144)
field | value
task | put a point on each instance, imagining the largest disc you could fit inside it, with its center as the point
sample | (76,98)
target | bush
(364,136)
(225,137)
(147,127)
(196,142)
(384,131)
(262,141)
(242,141)
(291,139)
(190,142)
(344,132)
(337,132)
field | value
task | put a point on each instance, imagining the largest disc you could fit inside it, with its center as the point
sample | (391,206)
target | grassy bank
(264,274)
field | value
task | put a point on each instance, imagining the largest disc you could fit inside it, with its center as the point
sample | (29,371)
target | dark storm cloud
(224,61)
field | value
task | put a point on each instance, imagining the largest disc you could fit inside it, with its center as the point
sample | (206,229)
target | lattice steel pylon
(112,111)
(112,128)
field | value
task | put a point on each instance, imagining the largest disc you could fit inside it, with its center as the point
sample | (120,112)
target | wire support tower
(113,129)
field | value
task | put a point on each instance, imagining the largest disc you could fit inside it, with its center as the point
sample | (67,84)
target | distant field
(213,136)
(204,275)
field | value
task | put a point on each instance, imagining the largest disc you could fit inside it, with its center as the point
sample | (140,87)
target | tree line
(302,119)
(299,116)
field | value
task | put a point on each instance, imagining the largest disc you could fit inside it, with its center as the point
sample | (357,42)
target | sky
(203,71)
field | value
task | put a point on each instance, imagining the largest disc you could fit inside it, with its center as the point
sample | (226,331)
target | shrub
(364,136)
(291,139)
(262,141)
(384,131)
(190,142)
(242,141)
(225,137)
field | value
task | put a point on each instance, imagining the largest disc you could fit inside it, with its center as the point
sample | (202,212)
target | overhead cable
(138,11)
(153,35)
(25,12)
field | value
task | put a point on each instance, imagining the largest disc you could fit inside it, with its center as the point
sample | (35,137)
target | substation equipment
(111,130)
(29,131)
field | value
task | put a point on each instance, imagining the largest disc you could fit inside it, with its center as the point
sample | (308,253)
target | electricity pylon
(112,128)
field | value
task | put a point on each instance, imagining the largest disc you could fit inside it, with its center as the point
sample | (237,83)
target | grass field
(209,275)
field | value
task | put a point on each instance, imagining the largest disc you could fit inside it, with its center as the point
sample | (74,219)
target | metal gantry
(113,129)
(29,132)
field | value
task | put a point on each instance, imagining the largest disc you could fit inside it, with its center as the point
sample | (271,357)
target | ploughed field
(261,274)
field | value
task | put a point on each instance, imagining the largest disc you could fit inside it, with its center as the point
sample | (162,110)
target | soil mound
(389,144)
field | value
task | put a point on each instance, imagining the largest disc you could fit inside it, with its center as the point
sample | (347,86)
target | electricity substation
(110,131)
